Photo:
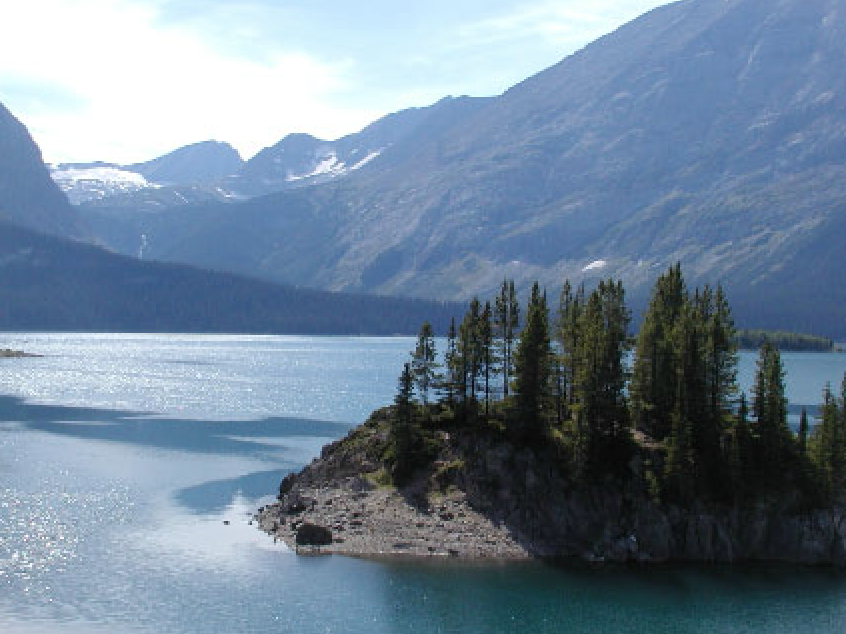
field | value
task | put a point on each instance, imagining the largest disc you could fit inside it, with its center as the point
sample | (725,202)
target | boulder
(313,535)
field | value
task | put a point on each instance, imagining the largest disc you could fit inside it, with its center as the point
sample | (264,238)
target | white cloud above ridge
(127,80)
(566,23)
(137,82)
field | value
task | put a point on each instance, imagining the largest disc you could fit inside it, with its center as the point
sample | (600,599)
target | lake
(121,457)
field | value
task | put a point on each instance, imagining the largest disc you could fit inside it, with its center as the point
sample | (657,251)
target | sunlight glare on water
(130,466)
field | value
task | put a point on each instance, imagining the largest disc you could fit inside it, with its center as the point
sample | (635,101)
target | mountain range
(710,132)
(59,282)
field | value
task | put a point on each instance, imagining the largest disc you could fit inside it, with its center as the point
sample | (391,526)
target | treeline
(675,420)
(788,341)
(54,284)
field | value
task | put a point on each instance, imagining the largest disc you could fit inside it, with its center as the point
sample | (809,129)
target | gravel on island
(369,520)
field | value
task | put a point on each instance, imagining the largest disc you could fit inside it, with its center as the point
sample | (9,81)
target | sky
(128,80)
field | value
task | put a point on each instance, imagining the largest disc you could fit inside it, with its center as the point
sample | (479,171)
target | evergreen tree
(505,324)
(742,455)
(721,357)
(470,350)
(532,367)
(449,380)
(653,387)
(570,308)
(769,407)
(600,380)
(803,432)
(828,446)
(486,352)
(403,429)
(679,471)
(424,363)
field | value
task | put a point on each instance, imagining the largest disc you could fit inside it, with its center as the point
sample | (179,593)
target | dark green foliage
(600,379)
(532,368)
(448,381)
(405,436)
(776,445)
(788,341)
(571,398)
(567,333)
(424,362)
(63,285)
(506,321)
(742,453)
(654,388)
(828,443)
(470,351)
(486,352)
(684,384)
(802,436)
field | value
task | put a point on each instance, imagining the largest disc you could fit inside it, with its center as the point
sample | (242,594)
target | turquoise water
(121,456)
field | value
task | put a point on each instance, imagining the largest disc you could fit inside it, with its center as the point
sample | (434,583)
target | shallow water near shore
(122,457)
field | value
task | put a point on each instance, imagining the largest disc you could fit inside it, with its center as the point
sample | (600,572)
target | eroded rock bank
(479,498)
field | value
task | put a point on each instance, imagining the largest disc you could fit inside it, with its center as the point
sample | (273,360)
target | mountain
(187,175)
(711,132)
(28,196)
(204,162)
(84,182)
(301,159)
(52,284)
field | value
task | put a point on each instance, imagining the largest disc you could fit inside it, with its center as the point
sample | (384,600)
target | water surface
(121,457)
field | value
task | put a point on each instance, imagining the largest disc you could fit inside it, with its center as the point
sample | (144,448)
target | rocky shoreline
(481,501)
(366,520)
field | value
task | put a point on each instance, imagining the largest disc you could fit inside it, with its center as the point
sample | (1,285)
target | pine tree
(486,352)
(769,407)
(505,324)
(742,455)
(679,471)
(449,380)
(803,432)
(570,308)
(470,349)
(721,358)
(403,429)
(532,367)
(424,363)
(828,446)
(600,380)
(654,378)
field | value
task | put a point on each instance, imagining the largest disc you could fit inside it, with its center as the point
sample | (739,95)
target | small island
(530,438)
(6,353)
(785,341)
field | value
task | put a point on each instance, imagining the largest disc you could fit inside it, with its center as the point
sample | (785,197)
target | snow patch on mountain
(93,183)
(327,165)
(366,159)
(595,266)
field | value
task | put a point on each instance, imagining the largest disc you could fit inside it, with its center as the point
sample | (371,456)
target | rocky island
(579,457)
(480,500)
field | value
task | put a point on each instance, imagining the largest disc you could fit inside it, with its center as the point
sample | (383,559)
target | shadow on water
(213,497)
(140,428)
(263,439)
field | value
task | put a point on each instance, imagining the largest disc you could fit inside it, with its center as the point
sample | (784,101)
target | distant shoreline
(5,353)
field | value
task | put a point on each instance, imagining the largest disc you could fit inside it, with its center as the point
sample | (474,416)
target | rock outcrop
(481,498)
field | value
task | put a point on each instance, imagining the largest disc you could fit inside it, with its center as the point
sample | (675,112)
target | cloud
(567,24)
(142,85)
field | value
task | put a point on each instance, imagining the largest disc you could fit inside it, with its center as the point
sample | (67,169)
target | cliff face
(481,498)
(28,196)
